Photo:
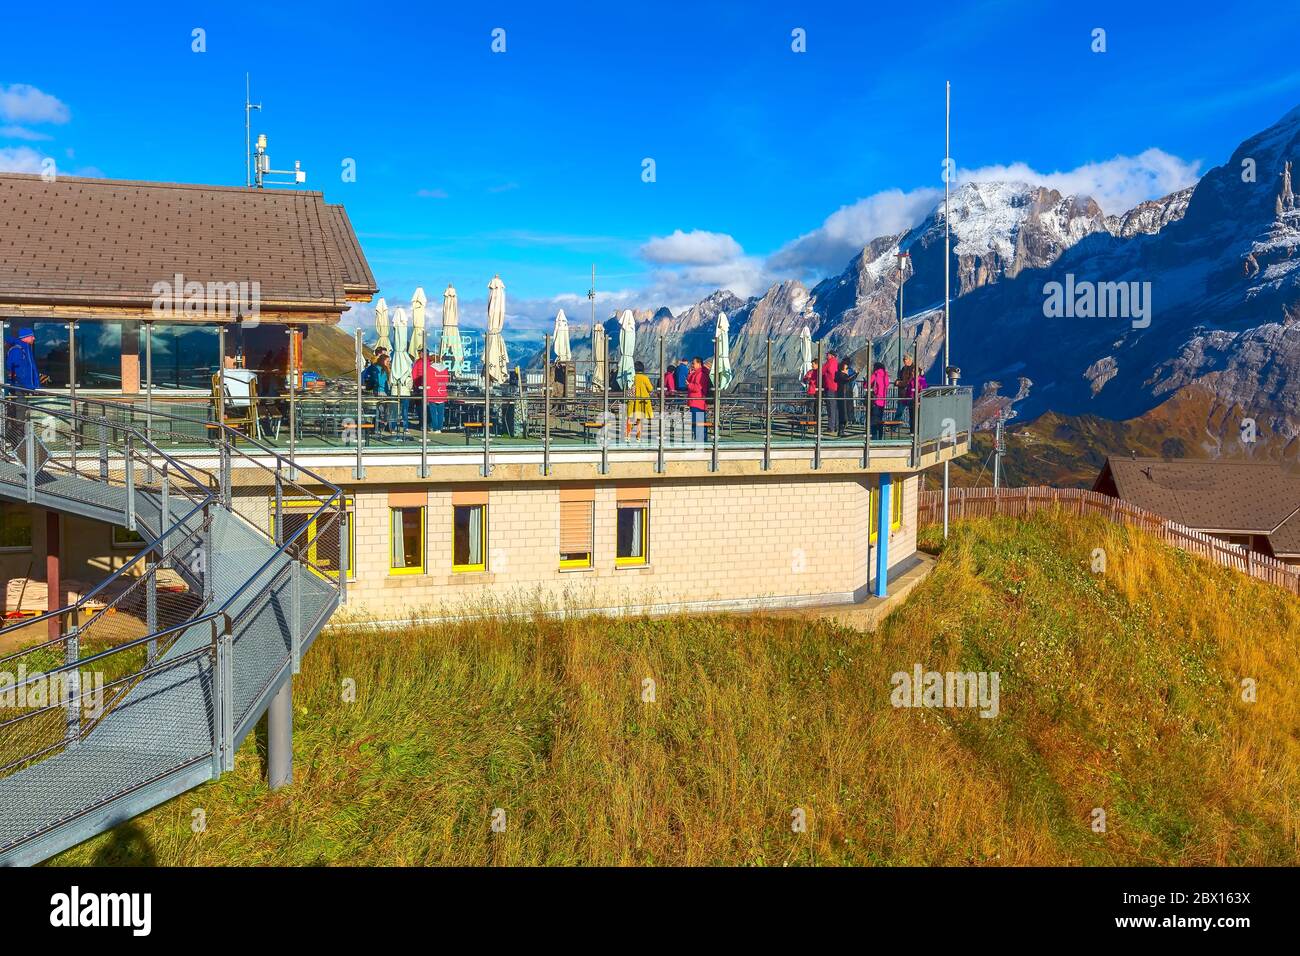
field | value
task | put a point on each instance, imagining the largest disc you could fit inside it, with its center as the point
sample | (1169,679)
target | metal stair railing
(101,743)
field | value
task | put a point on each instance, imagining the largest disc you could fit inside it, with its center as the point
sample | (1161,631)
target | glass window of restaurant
(184,356)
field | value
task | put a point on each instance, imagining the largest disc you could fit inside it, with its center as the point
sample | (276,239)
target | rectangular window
(184,357)
(407,538)
(633,533)
(125,539)
(469,538)
(895,509)
(15,527)
(320,541)
(576,532)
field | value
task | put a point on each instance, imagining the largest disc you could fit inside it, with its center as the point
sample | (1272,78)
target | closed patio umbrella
(599,357)
(381,326)
(401,360)
(450,346)
(805,351)
(418,303)
(626,349)
(495,360)
(722,366)
(563,353)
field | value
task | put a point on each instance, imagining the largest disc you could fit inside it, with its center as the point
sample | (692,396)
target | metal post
(947,264)
(821,360)
(916,404)
(221,382)
(223,697)
(29,442)
(148,380)
(206,543)
(344,550)
(130,482)
(767,413)
(164,522)
(359,471)
(604,387)
(424,406)
(882,535)
(103,448)
(71,654)
(151,605)
(867,405)
(717,404)
(487,421)
(546,404)
(72,392)
(279,737)
(997,453)
(294,348)
(663,420)
(279,506)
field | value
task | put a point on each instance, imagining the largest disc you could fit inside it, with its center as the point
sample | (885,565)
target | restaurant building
(134,289)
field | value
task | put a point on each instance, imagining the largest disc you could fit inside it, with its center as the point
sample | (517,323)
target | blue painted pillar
(882,535)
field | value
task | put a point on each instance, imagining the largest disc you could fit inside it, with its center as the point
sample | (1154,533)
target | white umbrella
(400,382)
(626,349)
(418,302)
(599,356)
(450,345)
(495,361)
(563,353)
(381,325)
(805,350)
(722,365)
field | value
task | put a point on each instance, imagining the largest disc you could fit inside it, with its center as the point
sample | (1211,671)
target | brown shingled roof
(1226,496)
(73,243)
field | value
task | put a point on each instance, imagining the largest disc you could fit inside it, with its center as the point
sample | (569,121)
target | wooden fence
(1017,502)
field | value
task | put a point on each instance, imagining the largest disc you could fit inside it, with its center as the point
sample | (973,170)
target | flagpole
(947,148)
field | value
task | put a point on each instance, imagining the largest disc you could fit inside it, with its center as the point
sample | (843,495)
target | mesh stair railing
(144,686)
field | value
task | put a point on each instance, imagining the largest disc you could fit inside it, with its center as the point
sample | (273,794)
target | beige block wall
(712,543)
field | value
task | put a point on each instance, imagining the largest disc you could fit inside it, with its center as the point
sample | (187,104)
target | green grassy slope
(1119,691)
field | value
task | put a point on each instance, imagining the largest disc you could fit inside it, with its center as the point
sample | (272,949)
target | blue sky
(768,163)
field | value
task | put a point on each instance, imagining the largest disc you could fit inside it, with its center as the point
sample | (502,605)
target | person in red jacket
(697,388)
(811,379)
(436,375)
(831,392)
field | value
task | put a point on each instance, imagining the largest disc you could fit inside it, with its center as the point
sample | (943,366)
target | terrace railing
(143,686)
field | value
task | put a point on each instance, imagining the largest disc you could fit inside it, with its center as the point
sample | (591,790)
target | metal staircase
(145,686)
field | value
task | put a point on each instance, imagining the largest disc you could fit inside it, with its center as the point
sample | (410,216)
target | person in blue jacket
(20,362)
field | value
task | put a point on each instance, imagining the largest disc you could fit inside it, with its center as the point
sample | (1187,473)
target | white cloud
(837,240)
(431,193)
(697,247)
(21,132)
(1117,184)
(20,159)
(24,103)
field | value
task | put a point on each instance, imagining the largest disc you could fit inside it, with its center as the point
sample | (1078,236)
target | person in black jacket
(844,378)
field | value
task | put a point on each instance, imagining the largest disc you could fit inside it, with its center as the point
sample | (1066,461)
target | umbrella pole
(717,404)
(424,407)
(604,420)
(293,402)
(660,464)
(487,420)
(817,448)
(866,409)
(546,408)
(357,431)
(767,412)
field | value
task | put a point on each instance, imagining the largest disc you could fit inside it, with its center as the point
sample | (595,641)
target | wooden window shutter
(575,527)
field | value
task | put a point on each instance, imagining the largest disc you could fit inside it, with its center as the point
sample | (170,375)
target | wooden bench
(589,429)
(467,427)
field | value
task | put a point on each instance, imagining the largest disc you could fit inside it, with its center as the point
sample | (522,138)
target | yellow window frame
(644,557)
(895,510)
(312,504)
(483,535)
(424,556)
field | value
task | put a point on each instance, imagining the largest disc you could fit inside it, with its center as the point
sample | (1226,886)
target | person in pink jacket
(877,390)
(697,388)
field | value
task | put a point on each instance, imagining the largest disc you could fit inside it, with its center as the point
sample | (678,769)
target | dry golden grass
(1119,691)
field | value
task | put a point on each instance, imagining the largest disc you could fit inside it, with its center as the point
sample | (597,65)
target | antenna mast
(947,263)
(249,106)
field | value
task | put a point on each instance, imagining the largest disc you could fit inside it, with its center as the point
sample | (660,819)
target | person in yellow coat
(640,408)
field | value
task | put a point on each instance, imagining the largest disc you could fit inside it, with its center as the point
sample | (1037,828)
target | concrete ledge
(866,615)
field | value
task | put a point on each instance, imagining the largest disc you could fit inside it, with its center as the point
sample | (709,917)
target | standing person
(681,374)
(639,408)
(20,363)
(432,377)
(844,380)
(831,392)
(877,390)
(382,387)
(670,378)
(811,380)
(905,387)
(696,389)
